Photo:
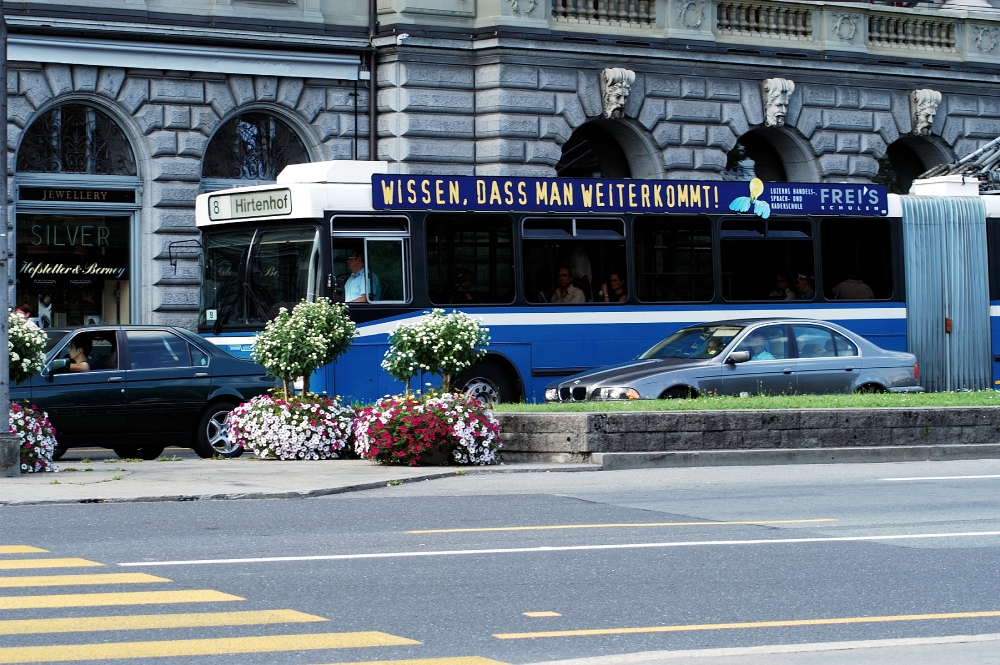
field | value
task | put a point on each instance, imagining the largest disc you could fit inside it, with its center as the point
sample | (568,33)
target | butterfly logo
(743,203)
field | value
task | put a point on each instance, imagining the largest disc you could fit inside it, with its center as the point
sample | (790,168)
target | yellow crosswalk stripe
(153,621)
(459,660)
(111,599)
(20,549)
(26,564)
(200,647)
(78,580)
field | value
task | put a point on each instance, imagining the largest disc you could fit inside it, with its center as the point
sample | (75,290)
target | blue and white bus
(683,251)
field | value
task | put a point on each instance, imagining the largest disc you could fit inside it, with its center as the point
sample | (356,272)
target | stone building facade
(492,87)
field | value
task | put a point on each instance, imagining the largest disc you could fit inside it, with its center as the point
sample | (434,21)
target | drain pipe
(372,82)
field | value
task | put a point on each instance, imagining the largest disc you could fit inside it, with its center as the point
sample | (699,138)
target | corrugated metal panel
(946,266)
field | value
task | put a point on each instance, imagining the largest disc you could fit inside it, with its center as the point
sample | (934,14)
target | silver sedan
(748,357)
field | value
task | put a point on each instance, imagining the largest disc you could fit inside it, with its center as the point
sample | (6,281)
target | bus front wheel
(487,382)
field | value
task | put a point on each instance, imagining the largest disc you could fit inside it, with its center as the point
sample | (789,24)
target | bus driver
(356,286)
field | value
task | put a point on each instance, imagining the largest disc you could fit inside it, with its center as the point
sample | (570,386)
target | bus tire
(679,392)
(211,439)
(487,382)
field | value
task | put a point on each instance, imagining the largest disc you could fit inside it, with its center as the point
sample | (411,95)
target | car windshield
(52,339)
(697,342)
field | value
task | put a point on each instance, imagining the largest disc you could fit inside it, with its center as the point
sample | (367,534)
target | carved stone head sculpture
(775,93)
(616,83)
(923,108)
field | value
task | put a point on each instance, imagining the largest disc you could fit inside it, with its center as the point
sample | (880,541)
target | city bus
(644,258)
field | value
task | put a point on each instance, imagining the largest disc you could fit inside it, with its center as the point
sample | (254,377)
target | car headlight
(551,394)
(616,393)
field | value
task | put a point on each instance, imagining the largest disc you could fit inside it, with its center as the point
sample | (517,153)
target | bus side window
(857,259)
(470,259)
(386,266)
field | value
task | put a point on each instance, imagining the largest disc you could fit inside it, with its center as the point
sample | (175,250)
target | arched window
(592,152)
(75,138)
(252,146)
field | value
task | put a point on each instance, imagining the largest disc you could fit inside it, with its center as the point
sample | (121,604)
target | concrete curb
(775,456)
(326,491)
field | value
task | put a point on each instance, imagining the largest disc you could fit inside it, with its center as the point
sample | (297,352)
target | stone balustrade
(928,32)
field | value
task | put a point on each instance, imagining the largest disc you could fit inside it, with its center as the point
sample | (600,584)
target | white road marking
(565,548)
(942,478)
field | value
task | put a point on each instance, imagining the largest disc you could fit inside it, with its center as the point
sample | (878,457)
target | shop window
(857,259)
(767,260)
(74,269)
(588,251)
(75,138)
(470,259)
(673,259)
(252,146)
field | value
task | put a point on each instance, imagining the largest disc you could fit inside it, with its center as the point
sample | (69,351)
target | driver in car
(79,352)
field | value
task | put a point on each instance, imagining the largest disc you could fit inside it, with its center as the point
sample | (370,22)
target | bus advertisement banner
(509,194)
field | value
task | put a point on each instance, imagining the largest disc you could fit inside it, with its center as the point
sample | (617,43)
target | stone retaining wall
(583,437)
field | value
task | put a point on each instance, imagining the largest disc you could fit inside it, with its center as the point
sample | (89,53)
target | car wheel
(59,452)
(679,392)
(147,453)
(871,388)
(487,382)
(212,436)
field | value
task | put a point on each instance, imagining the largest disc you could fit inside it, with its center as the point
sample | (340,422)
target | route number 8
(215,207)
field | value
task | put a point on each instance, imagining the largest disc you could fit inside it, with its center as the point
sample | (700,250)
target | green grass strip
(854,401)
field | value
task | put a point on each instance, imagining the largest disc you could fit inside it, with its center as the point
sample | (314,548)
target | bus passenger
(616,292)
(565,291)
(579,267)
(781,290)
(852,288)
(803,288)
(356,288)
(463,289)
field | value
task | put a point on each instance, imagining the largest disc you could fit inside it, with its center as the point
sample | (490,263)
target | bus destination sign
(250,204)
(499,194)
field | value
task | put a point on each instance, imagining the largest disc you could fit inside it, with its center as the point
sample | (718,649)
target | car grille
(576,394)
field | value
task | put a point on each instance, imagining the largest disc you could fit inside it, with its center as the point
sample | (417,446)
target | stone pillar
(10,456)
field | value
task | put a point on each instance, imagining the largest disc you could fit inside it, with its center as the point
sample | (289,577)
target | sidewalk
(242,478)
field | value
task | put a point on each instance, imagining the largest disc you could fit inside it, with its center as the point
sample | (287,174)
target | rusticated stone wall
(169,119)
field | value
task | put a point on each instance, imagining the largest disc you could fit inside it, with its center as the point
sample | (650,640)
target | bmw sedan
(748,357)
(137,389)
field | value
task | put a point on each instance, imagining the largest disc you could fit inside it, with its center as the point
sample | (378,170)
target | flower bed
(435,428)
(301,428)
(38,437)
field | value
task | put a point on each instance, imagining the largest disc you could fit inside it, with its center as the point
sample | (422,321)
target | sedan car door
(167,384)
(769,371)
(85,405)
(827,362)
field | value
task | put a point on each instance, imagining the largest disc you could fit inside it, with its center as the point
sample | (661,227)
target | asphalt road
(608,562)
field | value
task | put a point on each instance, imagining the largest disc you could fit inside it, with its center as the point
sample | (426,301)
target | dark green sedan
(137,389)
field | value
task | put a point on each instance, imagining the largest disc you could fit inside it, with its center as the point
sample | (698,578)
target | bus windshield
(250,273)
(696,342)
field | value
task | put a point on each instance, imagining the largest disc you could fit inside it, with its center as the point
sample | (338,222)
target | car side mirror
(738,357)
(57,364)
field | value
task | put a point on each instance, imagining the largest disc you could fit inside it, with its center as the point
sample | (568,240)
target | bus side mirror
(738,357)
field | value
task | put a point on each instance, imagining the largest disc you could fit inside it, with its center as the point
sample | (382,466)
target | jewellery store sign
(57,249)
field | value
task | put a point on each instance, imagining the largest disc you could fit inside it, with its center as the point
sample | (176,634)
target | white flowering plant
(439,343)
(297,428)
(425,429)
(297,343)
(37,436)
(26,348)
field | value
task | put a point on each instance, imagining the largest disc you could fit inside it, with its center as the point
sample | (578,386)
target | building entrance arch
(771,154)
(609,149)
(906,158)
